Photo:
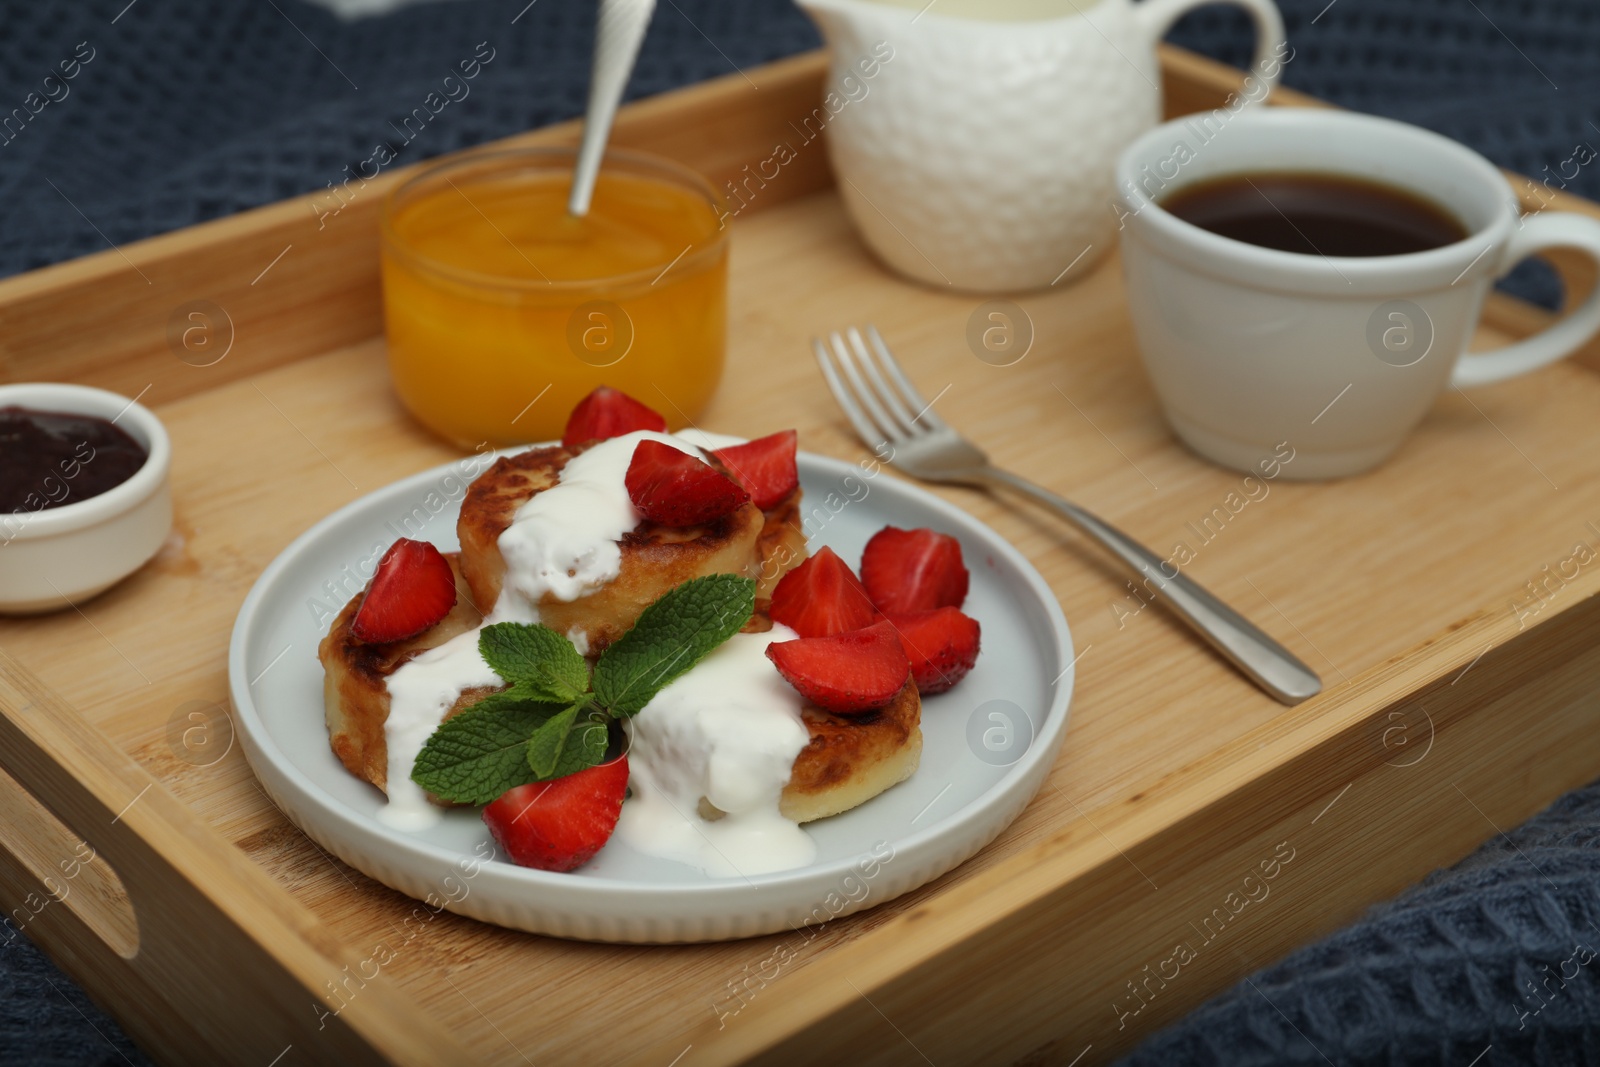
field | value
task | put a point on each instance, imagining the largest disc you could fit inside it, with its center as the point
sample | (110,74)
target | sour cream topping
(729,731)
(420,693)
(563,541)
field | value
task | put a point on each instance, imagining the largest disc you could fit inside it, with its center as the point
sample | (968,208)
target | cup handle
(1562,229)
(1157,17)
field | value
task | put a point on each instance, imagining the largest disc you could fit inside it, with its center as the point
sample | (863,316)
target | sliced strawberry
(676,489)
(412,589)
(608,412)
(560,824)
(845,673)
(907,571)
(821,597)
(765,466)
(942,645)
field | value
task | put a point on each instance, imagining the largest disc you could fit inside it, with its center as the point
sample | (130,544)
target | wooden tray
(1187,809)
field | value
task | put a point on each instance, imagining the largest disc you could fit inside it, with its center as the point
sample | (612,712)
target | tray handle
(201,956)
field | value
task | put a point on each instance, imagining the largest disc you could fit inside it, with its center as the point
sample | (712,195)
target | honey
(502,311)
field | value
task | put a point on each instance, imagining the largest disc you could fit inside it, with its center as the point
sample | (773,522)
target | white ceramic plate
(987,744)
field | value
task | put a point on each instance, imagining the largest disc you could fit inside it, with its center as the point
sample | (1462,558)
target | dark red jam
(49,459)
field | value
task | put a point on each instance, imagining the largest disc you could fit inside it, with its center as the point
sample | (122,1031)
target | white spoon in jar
(618,34)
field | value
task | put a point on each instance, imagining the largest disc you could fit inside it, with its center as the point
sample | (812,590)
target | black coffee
(1317,214)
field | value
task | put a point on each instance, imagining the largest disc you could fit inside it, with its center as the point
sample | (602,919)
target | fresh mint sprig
(672,635)
(554,720)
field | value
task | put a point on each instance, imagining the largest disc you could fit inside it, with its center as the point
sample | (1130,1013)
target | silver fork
(888,411)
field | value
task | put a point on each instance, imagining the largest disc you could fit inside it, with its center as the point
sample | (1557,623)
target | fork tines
(875,393)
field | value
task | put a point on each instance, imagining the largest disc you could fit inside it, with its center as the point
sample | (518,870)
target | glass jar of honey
(502,311)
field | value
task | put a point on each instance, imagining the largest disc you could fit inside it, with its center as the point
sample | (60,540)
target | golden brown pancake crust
(782,545)
(852,758)
(355,674)
(655,558)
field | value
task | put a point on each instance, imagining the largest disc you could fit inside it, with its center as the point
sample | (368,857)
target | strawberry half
(906,571)
(765,466)
(822,597)
(606,413)
(560,824)
(413,588)
(845,673)
(942,645)
(676,489)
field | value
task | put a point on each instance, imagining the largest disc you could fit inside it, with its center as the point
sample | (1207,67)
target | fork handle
(1273,667)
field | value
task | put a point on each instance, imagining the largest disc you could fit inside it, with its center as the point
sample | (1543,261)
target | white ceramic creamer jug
(974,140)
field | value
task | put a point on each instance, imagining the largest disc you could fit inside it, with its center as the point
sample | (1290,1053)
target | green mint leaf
(543,749)
(474,757)
(535,658)
(568,742)
(672,635)
(586,745)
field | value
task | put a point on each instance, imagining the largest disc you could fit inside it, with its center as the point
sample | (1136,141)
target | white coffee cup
(1340,357)
(974,140)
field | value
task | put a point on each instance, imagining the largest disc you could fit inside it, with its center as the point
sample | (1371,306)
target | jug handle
(1271,52)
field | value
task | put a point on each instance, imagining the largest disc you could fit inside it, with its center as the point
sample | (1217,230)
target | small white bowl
(54,558)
